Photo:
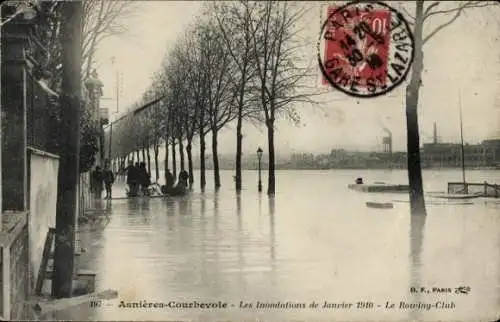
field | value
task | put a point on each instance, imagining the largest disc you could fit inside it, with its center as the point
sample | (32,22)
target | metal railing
(485,189)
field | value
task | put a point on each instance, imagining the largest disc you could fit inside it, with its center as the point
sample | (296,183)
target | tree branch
(430,7)
(409,15)
(458,11)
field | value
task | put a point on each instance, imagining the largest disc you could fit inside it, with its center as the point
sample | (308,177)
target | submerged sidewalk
(166,256)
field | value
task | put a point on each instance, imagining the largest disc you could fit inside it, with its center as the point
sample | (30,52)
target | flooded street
(315,241)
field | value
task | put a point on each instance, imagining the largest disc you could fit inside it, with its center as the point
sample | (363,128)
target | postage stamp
(365,49)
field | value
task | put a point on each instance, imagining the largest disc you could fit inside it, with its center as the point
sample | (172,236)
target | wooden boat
(173,191)
(379,187)
(380,205)
(441,203)
(456,196)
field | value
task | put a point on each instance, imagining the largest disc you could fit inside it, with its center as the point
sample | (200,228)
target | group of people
(138,178)
(100,177)
(175,189)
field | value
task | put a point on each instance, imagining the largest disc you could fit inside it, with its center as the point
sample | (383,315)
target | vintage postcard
(250,160)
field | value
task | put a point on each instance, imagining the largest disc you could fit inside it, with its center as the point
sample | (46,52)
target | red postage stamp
(365,48)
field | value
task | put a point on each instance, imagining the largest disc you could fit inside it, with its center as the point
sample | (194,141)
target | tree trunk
(68,173)
(157,167)
(166,160)
(190,163)
(148,155)
(215,158)
(181,154)
(143,154)
(239,144)
(138,154)
(174,161)
(271,182)
(417,201)
(203,179)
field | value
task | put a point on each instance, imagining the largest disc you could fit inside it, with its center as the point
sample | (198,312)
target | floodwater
(315,241)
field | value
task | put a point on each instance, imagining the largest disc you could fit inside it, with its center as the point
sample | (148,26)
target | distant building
(486,154)
(302,159)
(441,155)
(492,152)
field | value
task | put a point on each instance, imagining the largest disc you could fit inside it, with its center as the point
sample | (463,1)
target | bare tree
(165,110)
(102,19)
(158,115)
(234,21)
(422,16)
(194,61)
(220,98)
(277,46)
(186,96)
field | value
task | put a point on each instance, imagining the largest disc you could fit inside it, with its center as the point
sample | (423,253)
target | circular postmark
(365,49)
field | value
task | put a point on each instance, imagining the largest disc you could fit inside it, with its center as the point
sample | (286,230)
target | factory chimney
(435,137)
(387,141)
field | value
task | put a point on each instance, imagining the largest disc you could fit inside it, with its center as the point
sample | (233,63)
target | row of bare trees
(241,62)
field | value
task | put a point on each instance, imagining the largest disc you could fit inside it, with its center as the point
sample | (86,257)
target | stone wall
(19,275)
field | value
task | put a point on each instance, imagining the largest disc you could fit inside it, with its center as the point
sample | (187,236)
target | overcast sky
(463,58)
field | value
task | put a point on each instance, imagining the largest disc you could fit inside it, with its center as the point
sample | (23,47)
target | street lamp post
(259,155)
(113,60)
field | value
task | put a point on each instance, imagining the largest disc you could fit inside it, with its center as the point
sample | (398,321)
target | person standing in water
(109,179)
(96,180)
(144,178)
(132,178)
(170,180)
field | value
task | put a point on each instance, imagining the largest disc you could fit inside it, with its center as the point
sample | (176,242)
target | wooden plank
(47,249)
(6,282)
(80,272)
(77,253)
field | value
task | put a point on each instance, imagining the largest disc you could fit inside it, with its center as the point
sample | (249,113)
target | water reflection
(133,204)
(145,205)
(272,236)
(239,237)
(417,225)
(170,206)
(203,206)
(216,247)
(183,206)
(144,210)
(238,205)
(108,205)
(260,204)
(203,237)
(230,246)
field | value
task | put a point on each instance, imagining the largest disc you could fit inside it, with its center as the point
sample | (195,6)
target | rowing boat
(440,203)
(379,187)
(379,205)
(456,196)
